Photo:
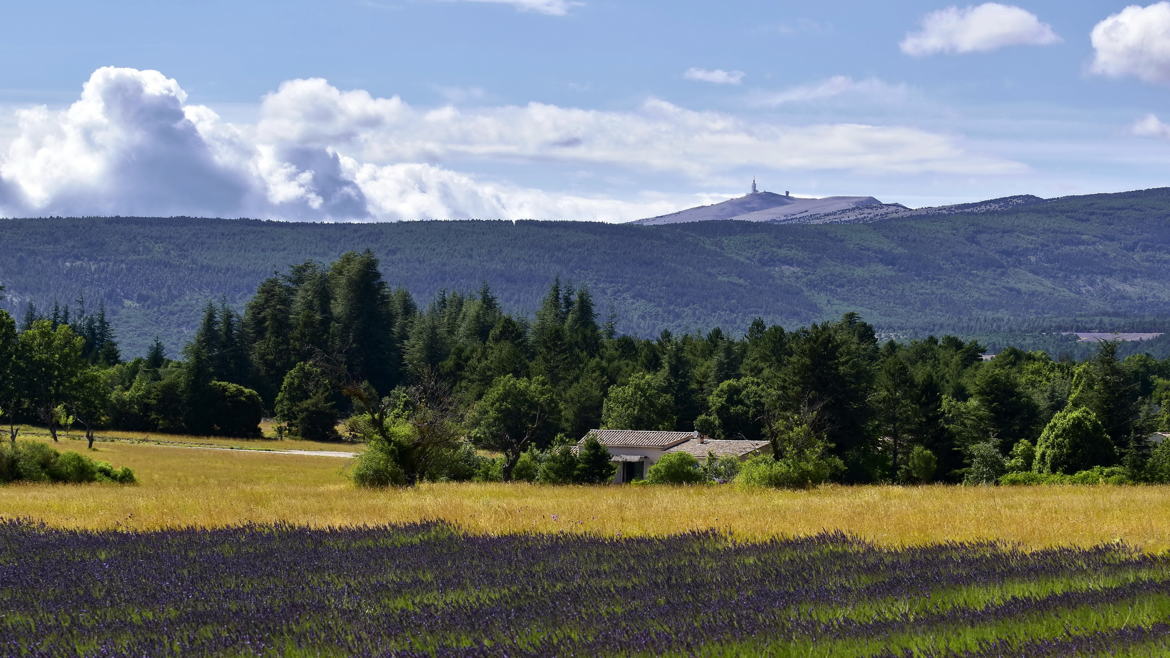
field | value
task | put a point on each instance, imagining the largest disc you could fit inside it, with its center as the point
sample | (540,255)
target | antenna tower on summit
(755,190)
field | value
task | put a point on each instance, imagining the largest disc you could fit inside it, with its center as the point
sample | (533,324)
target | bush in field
(920,466)
(1095,475)
(413,435)
(559,467)
(72,467)
(593,463)
(721,469)
(491,469)
(801,454)
(37,462)
(787,473)
(378,467)
(306,403)
(235,410)
(1074,440)
(460,465)
(527,468)
(1158,467)
(986,464)
(676,468)
(1022,457)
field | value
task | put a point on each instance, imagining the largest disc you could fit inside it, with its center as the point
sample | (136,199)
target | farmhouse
(634,451)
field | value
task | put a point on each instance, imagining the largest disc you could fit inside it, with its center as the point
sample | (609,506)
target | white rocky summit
(784,208)
(760,206)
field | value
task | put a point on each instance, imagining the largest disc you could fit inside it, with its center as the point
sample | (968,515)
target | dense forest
(318,344)
(1016,277)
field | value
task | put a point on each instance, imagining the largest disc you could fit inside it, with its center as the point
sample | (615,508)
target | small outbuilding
(635,451)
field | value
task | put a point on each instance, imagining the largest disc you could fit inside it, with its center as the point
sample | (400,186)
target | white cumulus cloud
(986,27)
(1134,42)
(715,76)
(1150,126)
(132,144)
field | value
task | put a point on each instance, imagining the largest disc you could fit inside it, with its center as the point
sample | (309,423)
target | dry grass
(180,487)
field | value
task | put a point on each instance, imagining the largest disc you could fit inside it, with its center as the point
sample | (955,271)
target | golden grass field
(184,486)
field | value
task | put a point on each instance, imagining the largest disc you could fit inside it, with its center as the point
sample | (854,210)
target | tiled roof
(720,448)
(640,438)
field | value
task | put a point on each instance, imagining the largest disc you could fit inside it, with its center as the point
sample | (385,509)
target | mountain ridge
(1102,259)
(773,208)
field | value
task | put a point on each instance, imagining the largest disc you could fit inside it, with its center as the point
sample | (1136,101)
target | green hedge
(37,462)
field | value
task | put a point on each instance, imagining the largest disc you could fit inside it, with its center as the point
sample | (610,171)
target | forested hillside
(1091,262)
(427,385)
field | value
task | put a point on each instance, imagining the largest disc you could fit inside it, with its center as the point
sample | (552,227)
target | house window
(633,471)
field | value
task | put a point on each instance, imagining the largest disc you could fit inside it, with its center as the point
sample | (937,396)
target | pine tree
(197,396)
(268,326)
(677,378)
(232,363)
(156,356)
(312,314)
(363,334)
(551,359)
(894,408)
(581,332)
(425,349)
(593,463)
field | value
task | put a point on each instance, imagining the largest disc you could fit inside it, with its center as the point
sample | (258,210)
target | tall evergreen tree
(312,312)
(156,356)
(581,331)
(364,332)
(268,327)
(895,409)
(822,380)
(551,359)
(12,386)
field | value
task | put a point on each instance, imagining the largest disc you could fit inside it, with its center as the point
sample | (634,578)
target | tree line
(333,352)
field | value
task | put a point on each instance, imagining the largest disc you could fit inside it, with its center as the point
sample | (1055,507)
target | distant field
(268,443)
(215,488)
(1097,337)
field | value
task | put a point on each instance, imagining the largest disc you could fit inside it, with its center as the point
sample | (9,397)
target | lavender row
(427,589)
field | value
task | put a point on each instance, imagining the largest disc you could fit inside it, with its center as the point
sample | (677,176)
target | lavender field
(429,590)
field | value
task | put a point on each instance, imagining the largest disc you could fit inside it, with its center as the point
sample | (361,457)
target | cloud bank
(132,144)
(1134,42)
(983,28)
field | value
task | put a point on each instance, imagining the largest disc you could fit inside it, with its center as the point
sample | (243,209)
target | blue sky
(596,109)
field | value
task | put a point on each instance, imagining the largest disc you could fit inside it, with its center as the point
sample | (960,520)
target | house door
(633,471)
